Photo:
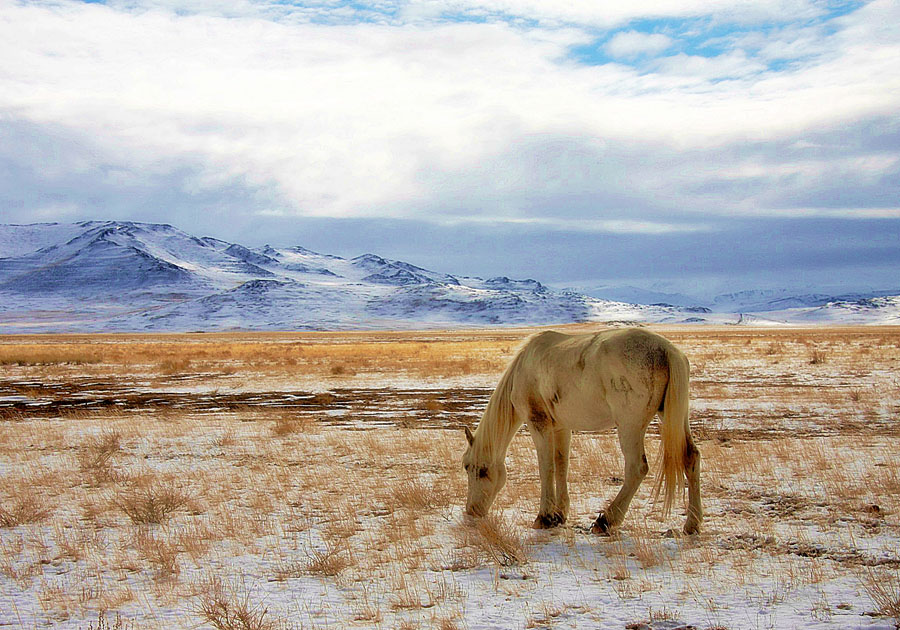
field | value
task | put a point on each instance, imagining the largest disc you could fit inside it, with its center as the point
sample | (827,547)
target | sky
(682,146)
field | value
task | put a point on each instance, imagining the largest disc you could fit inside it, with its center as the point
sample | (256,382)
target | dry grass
(884,589)
(227,608)
(286,425)
(116,623)
(330,561)
(95,457)
(20,506)
(331,354)
(500,541)
(151,503)
(372,518)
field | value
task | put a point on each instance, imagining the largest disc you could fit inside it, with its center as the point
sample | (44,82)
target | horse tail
(674,429)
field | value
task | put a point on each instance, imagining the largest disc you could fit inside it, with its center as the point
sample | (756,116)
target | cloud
(552,14)
(450,113)
(634,43)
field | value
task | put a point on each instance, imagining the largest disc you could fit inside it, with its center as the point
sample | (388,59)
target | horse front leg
(561,467)
(544,444)
(631,440)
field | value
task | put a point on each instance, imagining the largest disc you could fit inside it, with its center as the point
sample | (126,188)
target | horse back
(592,381)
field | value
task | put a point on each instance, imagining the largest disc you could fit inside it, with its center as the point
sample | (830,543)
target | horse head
(486,478)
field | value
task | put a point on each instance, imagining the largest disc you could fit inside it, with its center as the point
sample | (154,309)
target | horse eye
(482,472)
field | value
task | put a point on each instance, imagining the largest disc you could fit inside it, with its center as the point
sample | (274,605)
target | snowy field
(277,481)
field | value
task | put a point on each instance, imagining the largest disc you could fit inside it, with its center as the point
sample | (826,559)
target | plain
(313,480)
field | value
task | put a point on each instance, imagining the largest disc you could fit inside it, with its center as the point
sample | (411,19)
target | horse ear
(469,436)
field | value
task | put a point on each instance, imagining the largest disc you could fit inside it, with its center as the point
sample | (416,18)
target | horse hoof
(601,526)
(548,521)
(691,528)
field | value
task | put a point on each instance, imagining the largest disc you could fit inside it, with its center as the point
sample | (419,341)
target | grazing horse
(561,383)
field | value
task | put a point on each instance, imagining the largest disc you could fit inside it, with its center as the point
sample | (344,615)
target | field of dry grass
(268,481)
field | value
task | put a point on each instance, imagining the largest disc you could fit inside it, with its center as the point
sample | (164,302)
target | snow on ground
(295,522)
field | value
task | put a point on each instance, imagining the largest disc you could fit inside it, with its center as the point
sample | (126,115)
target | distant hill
(121,276)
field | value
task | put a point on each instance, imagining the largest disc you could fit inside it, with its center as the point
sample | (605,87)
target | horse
(559,383)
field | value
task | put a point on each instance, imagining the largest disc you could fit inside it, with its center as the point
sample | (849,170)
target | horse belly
(583,413)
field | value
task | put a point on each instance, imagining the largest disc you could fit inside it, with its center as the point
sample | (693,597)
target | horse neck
(496,430)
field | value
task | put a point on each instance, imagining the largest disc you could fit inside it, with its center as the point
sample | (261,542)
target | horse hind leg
(692,472)
(631,441)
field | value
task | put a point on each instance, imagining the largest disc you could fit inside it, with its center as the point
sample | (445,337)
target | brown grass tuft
(23,508)
(226,609)
(95,457)
(818,357)
(416,495)
(500,541)
(289,424)
(102,623)
(331,560)
(883,588)
(152,504)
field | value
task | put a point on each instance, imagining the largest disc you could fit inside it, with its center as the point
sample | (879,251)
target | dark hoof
(548,521)
(601,526)
(691,528)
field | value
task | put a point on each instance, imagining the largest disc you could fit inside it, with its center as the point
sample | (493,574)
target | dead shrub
(818,357)
(494,537)
(324,399)
(23,508)
(226,609)
(96,454)
(340,369)
(883,588)
(330,561)
(289,425)
(152,504)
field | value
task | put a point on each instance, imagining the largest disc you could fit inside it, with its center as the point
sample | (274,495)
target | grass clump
(225,609)
(884,589)
(153,504)
(23,508)
(495,538)
(330,561)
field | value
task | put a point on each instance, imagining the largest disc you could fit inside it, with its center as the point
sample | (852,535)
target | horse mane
(498,423)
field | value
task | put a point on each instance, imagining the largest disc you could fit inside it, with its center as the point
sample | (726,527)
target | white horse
(561,383)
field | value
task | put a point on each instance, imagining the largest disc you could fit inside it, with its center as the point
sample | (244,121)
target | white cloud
(633,43)
(611,226)
(611,14)
(385,120)
(548,13)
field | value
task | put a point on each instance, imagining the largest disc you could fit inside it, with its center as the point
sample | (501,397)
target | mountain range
(104,276)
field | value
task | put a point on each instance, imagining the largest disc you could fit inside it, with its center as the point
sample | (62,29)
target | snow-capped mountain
(122,276)
(769,306)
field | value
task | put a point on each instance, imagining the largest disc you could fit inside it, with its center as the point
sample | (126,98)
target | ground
(269,481)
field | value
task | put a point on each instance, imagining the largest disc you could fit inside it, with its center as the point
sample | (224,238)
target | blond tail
(673,429)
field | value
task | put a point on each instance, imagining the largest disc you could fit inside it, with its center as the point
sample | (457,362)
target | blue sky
(689,145)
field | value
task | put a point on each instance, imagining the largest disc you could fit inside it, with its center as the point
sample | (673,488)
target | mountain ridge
(124,276)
